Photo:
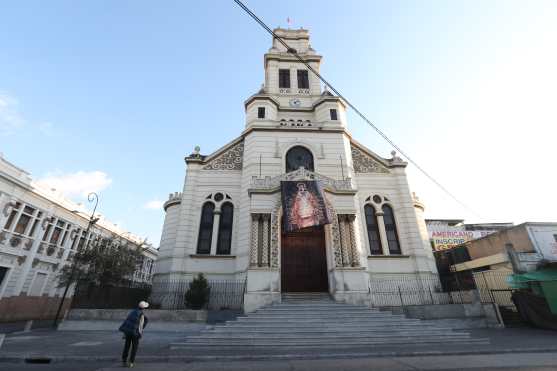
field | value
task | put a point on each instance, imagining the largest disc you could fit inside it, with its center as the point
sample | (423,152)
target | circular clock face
(295,102)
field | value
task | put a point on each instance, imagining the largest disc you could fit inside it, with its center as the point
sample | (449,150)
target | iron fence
(494,288)
(405,290)
(123,296)
(223,294)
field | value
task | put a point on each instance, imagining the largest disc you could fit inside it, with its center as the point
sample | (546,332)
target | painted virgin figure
(303,205)
(305,208)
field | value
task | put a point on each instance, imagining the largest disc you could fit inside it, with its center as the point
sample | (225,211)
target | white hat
(143,304)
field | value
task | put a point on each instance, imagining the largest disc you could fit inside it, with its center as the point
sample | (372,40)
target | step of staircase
(311,323)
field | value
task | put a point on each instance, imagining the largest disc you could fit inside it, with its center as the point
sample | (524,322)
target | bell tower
(291,95)
(285,75)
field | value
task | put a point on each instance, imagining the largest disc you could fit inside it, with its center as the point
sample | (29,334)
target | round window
(377,199)
(219,197)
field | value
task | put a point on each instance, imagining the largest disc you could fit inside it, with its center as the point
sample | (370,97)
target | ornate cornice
(365,163)
(272,184)
(230,159)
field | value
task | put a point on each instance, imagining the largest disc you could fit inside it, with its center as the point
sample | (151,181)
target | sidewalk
(155,347)
(527,361)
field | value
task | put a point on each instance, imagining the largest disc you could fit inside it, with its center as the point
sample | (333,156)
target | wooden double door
(304,261)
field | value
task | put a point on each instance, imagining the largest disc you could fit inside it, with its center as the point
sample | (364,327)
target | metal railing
(123,296)
(223,294)
(494,288)
(405,290)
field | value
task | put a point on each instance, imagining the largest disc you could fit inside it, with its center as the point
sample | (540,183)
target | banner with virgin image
(303,205)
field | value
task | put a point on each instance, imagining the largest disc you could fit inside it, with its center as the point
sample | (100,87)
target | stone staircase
(312,324)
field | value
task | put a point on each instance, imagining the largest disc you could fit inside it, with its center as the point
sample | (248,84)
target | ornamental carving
(28,244)
(3,237)
(276,228)
(21,259)
(7,206)
(15,241)
(50,250)
(302,174)
(365,163)
(35,262)
(335,231)
(231,159)
(275,235)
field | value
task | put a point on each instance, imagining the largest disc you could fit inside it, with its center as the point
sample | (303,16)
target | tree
(103,262)
(198,293)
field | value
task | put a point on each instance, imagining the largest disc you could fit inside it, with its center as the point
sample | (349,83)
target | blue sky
(111,95)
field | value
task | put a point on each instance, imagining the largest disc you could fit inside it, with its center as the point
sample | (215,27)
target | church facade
(228,221)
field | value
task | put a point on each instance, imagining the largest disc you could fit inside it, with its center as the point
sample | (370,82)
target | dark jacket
(130,326)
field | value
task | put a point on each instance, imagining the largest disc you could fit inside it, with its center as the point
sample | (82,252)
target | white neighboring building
(39,232)
(226,222)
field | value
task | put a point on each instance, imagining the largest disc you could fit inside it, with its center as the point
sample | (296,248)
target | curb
(30,358)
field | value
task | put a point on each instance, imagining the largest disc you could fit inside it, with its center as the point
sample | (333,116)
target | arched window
(299,156)
(225,228)
(373,235)
(206,229)
(390,228)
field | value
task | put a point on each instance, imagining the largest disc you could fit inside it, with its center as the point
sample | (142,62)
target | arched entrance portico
(304,261)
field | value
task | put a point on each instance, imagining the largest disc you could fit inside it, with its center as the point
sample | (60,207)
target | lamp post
(91,197)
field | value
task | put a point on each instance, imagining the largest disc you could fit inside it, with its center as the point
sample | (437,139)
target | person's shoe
(124,363)
(130,365)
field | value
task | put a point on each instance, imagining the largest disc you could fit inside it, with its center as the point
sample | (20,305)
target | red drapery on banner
(303,205)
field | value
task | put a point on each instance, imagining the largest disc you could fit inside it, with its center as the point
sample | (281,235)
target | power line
(362,116)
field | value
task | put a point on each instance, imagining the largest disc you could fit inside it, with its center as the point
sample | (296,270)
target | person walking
(133,330)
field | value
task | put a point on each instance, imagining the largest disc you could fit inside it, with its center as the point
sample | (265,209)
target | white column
(382,233)
(353,246)
(265,242)
(214,239)
(253,242)
(26,268)
(344,241)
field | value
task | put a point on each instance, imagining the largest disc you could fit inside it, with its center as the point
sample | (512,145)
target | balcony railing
(268,182)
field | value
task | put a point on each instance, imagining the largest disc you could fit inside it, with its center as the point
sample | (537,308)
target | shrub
(198,294)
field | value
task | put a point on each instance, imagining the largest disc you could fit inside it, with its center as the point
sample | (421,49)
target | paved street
(100,350)
(155,346)
(508,362)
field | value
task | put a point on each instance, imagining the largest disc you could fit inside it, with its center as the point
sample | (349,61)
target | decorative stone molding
(365,163)
(6,209)
(271,183)
(344,241)
(253,242)
(35,262)
(231,159)
(3,237)
(275,236)
(15,241)
(173,199)
(348,243)
(47,220)
(336,240)
(260,240)
(50,250)
(276,231)
(353,244)
(266,220)
(28,244)
(21,259)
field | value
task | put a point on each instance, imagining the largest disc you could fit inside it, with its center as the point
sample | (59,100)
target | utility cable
(358,112)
